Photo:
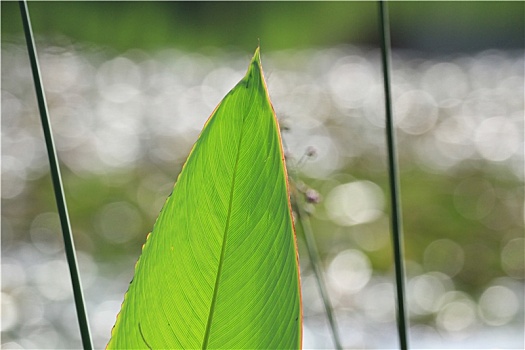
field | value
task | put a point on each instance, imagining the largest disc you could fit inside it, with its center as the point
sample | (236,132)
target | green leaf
(220,268)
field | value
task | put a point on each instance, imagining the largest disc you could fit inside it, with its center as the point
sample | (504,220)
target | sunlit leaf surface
(220,269)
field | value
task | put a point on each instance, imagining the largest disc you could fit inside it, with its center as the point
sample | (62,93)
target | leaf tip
(257,55)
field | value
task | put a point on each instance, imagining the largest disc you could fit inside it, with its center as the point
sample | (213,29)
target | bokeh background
(130,84)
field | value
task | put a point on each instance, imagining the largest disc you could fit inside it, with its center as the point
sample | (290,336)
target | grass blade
(57,181)
(397,233)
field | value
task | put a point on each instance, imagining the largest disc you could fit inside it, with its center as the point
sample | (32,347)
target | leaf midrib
(223,249)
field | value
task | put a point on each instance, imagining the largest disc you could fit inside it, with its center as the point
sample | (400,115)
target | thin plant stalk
(313,253)
(303,222)
(396,223)
(57,181)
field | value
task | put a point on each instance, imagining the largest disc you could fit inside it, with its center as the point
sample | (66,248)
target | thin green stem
(303,222)
(313,253)
(57,181)
(397,227)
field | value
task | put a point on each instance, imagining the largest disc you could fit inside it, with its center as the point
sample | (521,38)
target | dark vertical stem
(393,179)
(57,181)
(313,254)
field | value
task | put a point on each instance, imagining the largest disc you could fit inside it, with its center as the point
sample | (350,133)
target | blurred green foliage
(434,26)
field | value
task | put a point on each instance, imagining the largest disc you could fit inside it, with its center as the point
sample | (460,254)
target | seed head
(311,151)
(312,196)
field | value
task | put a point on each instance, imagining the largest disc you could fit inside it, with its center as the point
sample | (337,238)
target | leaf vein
(224,239)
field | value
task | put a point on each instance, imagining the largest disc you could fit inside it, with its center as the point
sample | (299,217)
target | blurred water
(129,121)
